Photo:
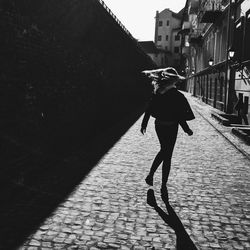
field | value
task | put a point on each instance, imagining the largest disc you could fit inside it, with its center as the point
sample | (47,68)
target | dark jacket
(172,106)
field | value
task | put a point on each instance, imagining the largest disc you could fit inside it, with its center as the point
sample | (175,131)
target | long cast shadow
(28,198)
(183,241)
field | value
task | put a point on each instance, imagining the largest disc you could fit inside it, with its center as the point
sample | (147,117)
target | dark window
(238,38)
(166,47)
(176,49)
(210,88)
(159,38)
(160,23)
(207,87)
(177,38)
(221,89)
(167,22)
(166,37)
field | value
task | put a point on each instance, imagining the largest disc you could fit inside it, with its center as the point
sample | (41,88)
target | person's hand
(143,130)
(190,132)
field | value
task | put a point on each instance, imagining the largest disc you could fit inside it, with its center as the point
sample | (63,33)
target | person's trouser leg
(156,163)
(167,136)
(166,167)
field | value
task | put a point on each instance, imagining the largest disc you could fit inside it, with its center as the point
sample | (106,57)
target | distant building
(159,56)
(167,26)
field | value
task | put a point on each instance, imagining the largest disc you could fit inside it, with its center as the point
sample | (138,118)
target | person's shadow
(183,241)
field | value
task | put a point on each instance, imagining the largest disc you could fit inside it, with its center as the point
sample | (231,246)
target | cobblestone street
(209,189)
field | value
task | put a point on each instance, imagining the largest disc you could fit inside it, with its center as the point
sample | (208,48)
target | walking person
(170,108)
(242,109)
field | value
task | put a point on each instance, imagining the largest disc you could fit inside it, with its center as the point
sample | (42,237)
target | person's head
(167,77)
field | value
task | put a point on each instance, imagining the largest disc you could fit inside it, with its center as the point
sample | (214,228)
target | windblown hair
(162,84)
(163,78)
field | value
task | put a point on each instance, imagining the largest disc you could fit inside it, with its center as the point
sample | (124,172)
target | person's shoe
(164,194)
(151,198)
(149,180)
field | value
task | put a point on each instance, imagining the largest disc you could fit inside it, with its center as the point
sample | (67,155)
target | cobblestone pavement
(209,188)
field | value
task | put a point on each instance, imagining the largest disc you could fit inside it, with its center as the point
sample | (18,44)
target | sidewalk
(205,111)
(209,189)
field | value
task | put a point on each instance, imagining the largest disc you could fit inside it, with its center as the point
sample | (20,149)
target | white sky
(138,16)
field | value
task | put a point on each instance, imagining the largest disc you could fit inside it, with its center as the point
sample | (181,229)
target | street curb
(206,111)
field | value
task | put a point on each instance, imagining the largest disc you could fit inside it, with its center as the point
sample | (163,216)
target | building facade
(167,26)
(211,31)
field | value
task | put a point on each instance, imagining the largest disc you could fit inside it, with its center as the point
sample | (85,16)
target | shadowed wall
(67,69)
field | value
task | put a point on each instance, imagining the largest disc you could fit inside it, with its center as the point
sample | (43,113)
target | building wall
(154,57)
(206,82)
(175,44)
(223,83)
(158,58)
(61,66)
(166,29)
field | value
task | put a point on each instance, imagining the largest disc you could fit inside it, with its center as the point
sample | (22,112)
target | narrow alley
(209,189)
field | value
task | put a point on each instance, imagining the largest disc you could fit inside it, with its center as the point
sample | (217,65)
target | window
(176,49)
(177,38)
(159,38)
(166,37)
(211,88)
(160,23)
(167,22)
(221,84)
(166,47)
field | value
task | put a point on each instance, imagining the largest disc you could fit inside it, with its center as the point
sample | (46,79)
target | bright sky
(138,16)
